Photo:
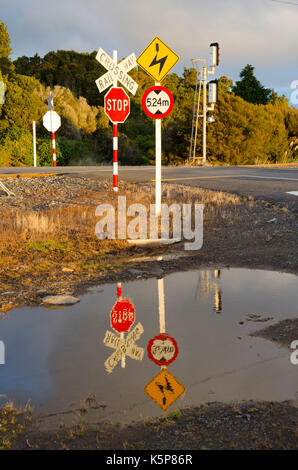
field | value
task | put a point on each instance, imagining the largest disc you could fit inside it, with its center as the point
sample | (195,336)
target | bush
(16,147)
(66,150)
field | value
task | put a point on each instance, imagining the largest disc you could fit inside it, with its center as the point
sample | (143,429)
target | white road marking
(294,193)
(270,177)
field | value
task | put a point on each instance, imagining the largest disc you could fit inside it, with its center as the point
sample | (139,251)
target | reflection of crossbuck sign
(116,72)
(123,347)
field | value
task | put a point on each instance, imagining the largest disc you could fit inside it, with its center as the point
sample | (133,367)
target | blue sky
(259,32)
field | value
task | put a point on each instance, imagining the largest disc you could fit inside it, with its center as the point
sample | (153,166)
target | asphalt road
(270,184)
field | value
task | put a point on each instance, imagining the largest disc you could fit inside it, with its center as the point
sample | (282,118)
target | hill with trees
(253,124)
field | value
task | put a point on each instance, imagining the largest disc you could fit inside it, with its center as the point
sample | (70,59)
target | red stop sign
(122,316)
(117,105)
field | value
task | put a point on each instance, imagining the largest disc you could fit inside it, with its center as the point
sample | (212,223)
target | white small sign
(51,121)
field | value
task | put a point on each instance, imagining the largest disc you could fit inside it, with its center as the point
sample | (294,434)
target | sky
(262,33)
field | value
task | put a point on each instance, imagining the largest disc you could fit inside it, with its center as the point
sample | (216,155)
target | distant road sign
(116,72)
(162,349)
(157,102)
(157,59)
(164,389)
(51,121)
(117,105)
(122,316)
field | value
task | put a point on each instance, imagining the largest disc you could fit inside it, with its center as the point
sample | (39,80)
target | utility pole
(214,61)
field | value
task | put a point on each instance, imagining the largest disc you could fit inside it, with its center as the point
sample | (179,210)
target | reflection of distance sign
(117,105)
(123,347)
(162,349)
(157,102)
(157,59)
(164,389)
(122,316)
(51,121)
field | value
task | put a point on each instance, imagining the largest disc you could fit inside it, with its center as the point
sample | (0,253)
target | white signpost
(52,122)
(123,347)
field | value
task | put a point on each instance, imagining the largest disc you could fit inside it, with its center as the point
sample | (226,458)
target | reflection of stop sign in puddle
(122,316)
(162,349)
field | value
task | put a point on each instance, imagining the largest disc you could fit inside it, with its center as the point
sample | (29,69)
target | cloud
(260,32)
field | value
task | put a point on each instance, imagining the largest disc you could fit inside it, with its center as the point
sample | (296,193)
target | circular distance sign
(162,349)
(157,102)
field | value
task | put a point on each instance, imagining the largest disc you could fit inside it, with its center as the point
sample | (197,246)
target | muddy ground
(283,332)
(238,232)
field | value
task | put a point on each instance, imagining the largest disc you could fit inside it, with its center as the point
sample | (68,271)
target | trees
(5,49)
(252,123)
(6,65)
(250,89)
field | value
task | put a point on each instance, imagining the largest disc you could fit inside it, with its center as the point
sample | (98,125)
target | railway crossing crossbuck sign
(122,347)
(116,72)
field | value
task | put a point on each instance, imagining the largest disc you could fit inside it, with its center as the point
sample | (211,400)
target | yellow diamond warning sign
(157,59)
(164,389)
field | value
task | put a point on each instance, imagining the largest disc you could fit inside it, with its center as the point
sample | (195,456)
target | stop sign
(117,105)
(122,316)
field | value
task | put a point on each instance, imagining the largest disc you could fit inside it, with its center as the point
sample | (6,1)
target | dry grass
(65,221)
(37,244)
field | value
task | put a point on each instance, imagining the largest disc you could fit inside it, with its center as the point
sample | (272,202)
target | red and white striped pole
(115,157)
(54,148)
(115,138)
(119,295)
(119,291)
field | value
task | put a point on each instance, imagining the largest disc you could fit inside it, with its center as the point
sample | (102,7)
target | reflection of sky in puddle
(55,357)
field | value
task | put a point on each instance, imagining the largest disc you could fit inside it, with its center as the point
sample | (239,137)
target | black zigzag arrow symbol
(161,61)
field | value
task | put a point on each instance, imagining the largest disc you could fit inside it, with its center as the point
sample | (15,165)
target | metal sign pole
(53,138)
(204,112)
(157,164)
(34,143)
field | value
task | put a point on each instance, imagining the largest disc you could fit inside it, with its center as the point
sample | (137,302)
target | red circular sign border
(126,299)
(162,88)
(105,96)
(162,336)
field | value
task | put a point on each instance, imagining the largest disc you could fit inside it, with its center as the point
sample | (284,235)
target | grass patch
(46,245)
(13,422)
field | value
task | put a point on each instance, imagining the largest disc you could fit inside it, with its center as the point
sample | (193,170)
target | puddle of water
(55,358)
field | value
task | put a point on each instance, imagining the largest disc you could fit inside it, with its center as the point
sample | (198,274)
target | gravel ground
(283,333)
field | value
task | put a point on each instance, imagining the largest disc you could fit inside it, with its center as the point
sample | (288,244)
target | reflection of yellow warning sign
(164,389)
(157,59)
